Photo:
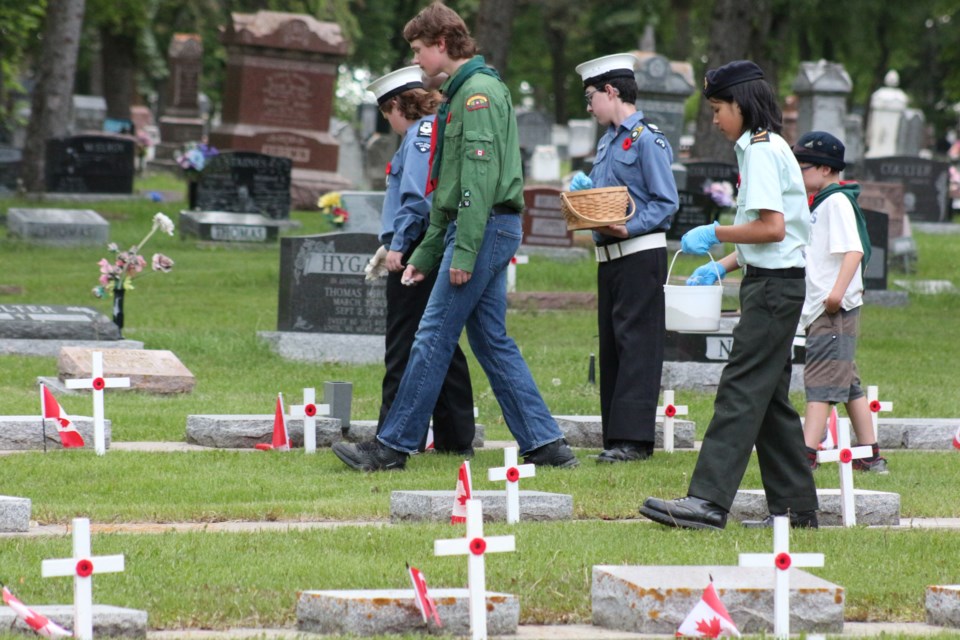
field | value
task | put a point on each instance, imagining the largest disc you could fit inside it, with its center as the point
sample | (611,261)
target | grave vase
(191,194)
(118,308)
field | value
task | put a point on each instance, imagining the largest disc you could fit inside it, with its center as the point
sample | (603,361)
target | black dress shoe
(555,454)
(687,513)
(798,520)
(370,456)
(624,452)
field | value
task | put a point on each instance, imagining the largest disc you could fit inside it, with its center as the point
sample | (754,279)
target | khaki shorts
(830,374)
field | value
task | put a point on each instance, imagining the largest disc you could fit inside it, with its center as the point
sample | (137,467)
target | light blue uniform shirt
(770,178)
(636,155)
(406,210)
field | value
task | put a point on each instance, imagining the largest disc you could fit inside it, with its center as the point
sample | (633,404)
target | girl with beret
(770,231)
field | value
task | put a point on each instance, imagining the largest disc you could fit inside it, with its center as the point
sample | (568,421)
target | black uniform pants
(630,318)
(753,407)
(453,422)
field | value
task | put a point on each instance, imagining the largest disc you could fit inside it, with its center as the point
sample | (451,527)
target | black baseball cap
(820,148)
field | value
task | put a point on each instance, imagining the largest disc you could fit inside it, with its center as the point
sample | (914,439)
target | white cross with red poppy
(82,566)
(512,271)
(308,412)
(876,406)
(97,383)
(782,561)
(511,472)
(668,411)
(845,455)
(475,546)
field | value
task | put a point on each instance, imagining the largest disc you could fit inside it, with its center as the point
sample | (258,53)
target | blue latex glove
(581,181)
(698,240)
(706,274)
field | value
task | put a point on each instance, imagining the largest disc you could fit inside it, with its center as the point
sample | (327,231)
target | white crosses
(876,406)
(845,455)
(512,271)
(308,412)
(82,566)
(98,383)
(782,561)
(475,546)
(668,411)
(511,473)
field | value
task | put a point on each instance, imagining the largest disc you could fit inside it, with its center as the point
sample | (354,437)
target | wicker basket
(591,208)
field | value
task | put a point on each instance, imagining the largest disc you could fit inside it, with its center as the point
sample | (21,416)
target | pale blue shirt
(770,178)
(406,208)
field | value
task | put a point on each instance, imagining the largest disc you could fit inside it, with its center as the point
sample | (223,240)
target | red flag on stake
(41,624)
(428,609)
(50,408)
(429,444)
(956,439)
(463,493)
(281,440)
(708,619)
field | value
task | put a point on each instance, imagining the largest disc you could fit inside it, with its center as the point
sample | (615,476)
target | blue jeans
(481,306)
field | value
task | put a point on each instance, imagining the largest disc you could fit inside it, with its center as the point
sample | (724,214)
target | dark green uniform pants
(753,405)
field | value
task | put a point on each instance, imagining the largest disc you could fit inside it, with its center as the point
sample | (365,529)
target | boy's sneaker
(812,458)
(370,456)
(877,465)
(555,454)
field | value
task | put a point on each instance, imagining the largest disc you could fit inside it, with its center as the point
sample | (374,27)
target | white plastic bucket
(692,308)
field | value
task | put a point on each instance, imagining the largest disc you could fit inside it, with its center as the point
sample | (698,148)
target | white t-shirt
(833,233)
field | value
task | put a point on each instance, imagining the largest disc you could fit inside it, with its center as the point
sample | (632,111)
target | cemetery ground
(325,527)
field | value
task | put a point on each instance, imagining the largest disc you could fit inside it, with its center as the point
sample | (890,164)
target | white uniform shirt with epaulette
(770,178)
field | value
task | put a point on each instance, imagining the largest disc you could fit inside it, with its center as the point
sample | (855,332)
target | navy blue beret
(730,74)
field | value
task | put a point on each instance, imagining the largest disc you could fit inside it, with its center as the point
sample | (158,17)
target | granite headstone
(925,184)
(695,209)
(364,209)
(543,222)
(875,276)
(59,227)
(701,173)
(323,288)
(822,88)
(885,197)
(217,226)
(246,182)
(155,371)
(663,89)
(89,113)
(54,322)
(90,164)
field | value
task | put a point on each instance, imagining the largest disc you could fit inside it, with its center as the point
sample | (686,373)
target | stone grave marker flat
(656,599)
(90,164)
(943,605)
(222,226)
(14,514)
(246,431)
(587,431)
(394,611)
(246,182)
(155,371)
(22,433)
(916,433)
(435,506)
(54,322)
(874,508)
(59,227)
(108,621)
(325,347)
(366,430)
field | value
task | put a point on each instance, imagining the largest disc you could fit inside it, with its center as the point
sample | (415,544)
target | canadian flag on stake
(830,439)
(708,619)
(42,625)
(956,439)
(281,440)
(429,444)
(69,436)
(463,493)
(428,609)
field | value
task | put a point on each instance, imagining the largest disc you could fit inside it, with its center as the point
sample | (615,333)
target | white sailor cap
(618,65)
(396,82)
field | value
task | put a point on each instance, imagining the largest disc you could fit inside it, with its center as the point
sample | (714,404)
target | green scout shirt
(479,169)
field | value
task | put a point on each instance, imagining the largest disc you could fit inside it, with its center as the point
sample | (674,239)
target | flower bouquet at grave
(722,194)
(330,206)
(118,273)
(194,157)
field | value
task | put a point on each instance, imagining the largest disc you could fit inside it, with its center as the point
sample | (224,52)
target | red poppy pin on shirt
(627,143)
(387,171)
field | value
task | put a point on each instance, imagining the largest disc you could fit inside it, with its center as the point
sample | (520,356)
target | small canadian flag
(429,444)
(708,619)
(428,609)
(39,623)
(281,439)
(830,440)
(69,436)
(463,493)
(956,439)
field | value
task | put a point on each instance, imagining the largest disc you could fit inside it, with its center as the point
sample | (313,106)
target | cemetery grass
(207,311)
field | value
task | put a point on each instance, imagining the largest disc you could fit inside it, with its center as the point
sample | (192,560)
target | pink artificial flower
(105,267)
(162,263)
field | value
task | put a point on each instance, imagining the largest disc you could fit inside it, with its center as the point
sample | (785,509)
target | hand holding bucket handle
(705,274)
(693,308)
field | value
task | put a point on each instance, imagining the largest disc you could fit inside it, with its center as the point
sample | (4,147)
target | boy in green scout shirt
(474,232)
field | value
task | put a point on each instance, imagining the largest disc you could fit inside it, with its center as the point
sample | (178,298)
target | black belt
(497,210)
(791,273)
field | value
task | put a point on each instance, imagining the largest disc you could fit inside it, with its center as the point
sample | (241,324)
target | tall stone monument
(278,99)
(887,105)
(663,88)
(822,88)
(181,121)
